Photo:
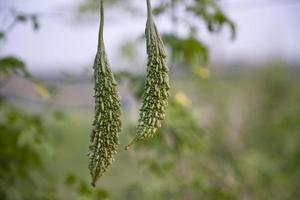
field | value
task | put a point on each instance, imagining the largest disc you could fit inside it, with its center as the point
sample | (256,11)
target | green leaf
(2,35)
(12,65)
(161,8)
(22,18)
(84,189)
(70,179)
(189,50)
(58,115)
(102,194)
(211,13)
(35,23)
(26,137)
(12,62)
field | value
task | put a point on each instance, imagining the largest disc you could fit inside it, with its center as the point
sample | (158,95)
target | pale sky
(265,31)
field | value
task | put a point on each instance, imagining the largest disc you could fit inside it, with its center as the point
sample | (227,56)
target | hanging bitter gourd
(156,88)
(107,124)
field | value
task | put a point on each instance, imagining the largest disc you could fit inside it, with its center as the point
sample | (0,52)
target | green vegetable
(156,91)
(107,125)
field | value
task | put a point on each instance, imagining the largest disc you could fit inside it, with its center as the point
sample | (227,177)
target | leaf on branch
(35,22)
(2,35)
(11,65)
(211,13)
(22,18)
(161,8)
(190,50)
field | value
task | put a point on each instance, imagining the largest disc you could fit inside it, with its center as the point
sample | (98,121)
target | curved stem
(149,9)
(100,37)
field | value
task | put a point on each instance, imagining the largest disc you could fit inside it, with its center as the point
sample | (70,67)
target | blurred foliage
(32,18)
(188,48)
(11,65)
(251,148)
(25,140)
(19,18)
(210,12)
(272,137)
(247,148)
(24,146)
(23,137)
(226,136)
(94,6)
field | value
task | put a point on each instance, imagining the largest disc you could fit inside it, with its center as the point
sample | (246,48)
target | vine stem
(149,9)
(100,37)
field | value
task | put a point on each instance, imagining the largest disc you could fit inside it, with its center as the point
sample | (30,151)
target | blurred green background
(230,132)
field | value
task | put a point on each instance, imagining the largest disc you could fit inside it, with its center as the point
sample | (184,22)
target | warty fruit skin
(157,86)
(107,124)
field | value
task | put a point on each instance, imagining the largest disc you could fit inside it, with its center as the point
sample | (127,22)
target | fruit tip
(130,144)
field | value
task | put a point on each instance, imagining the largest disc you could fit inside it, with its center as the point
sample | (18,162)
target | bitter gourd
(106,125)
(156,88)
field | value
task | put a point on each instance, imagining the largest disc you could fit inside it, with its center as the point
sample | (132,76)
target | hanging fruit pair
(156,88)
(107,124)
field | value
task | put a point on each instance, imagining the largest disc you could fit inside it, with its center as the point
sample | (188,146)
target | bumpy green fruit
(107,125)
(156,89)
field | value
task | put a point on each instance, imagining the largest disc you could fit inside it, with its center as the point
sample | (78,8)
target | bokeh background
(232,129)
